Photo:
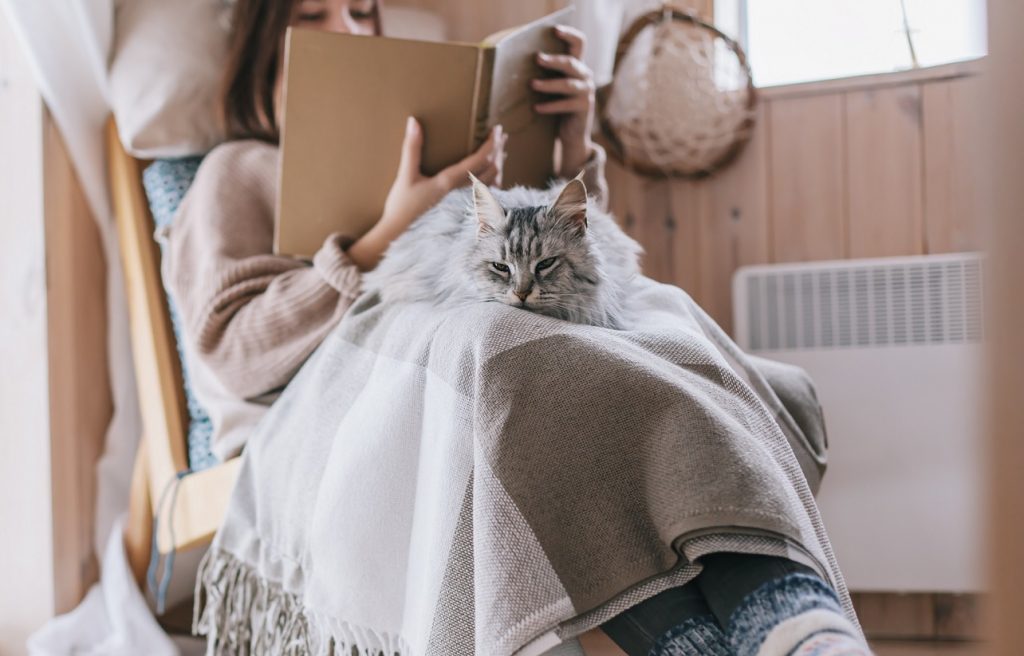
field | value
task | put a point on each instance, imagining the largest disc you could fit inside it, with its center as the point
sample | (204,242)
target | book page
(559,17)
(531,135)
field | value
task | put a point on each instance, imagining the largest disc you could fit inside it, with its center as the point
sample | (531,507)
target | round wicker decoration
(681,103)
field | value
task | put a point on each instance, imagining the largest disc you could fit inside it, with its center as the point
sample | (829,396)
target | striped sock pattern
(697,636)
(831,643)
(772,604)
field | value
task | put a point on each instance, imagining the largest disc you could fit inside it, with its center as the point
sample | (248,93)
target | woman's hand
(413,193)
(576,109)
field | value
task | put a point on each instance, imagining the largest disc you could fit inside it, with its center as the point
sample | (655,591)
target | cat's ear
(571,204)
(489,211)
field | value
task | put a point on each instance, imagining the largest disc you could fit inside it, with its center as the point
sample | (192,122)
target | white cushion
(166,72)
(165,75)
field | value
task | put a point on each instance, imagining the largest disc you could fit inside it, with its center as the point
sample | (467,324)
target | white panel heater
(894,347)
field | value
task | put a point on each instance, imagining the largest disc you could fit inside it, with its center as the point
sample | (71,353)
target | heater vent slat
(930,299)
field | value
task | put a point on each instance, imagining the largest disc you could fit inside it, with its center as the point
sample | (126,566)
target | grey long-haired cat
(559,256)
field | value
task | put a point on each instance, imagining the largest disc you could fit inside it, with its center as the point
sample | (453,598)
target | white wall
(26,583)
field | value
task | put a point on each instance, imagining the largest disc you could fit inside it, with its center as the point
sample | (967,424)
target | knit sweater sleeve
(252,317)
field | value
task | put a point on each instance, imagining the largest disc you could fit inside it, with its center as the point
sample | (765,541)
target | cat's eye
(498,266)
(546,264)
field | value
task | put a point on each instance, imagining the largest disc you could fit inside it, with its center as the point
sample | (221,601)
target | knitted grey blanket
(491,481)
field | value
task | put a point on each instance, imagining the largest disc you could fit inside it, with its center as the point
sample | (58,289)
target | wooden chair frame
(203,496)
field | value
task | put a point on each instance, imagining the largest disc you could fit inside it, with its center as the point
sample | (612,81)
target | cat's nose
(522,295)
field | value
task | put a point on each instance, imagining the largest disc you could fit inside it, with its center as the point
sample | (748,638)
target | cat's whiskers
(566,297)
(568,307)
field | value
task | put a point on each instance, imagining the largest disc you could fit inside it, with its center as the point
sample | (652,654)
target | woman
(252,318)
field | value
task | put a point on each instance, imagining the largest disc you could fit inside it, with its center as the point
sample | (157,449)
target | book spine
(479,126)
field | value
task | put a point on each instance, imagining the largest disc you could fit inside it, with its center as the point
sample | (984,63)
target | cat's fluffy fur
(548,251)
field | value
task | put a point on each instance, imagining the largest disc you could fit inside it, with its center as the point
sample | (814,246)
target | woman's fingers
(490,175)
(490,170)
(566,64)
(456,175)
(497,154)
(573,105)
(574,81)
(577,85)
(568,86)
(576,40)
(412,150)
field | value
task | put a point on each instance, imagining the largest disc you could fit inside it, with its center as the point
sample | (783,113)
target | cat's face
(535,258)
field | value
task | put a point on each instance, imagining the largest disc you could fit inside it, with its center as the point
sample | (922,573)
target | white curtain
(68,45)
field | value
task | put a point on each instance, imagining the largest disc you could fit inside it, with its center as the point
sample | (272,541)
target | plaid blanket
(497,482)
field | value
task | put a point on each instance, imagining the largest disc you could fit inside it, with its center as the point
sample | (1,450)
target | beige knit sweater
(252,317)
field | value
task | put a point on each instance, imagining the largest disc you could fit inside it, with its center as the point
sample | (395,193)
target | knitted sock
(782,615)
(827,643)
(697,636)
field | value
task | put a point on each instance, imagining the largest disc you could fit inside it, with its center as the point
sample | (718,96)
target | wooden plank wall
(1002,102)
(875,170)
(868,167)
(472,20)
(80,399)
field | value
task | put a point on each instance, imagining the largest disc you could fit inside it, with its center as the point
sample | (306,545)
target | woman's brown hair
(255,55)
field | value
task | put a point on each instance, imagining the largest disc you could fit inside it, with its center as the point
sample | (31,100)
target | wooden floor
(926,623)
(933,648)
(596,643)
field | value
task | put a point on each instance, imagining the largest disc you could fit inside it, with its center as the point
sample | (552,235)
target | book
(346,100)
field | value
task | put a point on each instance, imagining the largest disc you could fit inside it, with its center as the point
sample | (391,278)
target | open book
(346,102)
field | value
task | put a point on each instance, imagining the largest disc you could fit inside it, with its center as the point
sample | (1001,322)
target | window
(791,41)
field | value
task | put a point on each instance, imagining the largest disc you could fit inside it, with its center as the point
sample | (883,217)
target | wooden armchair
(202,497)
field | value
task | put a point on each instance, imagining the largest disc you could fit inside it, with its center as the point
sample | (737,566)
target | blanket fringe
(243,614)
